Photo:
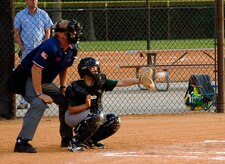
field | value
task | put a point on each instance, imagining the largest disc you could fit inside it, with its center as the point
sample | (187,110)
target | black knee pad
(89,126)
(108,128)
(92,121)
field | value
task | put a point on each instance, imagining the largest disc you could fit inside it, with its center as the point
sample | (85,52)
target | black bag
(17,80)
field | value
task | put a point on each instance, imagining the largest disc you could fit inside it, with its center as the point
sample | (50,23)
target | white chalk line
(137,154)
(214,141)
(179,153)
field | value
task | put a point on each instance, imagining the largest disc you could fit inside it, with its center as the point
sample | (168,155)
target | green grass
(142,45)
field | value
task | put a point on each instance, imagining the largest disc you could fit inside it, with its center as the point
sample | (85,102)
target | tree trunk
(57,14)
(91,32)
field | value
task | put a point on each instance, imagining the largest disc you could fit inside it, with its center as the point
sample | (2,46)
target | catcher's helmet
(85,65)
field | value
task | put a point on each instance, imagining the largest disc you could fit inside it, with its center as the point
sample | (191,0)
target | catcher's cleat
(65,141)
(76,147)
(98,145)
(24,148)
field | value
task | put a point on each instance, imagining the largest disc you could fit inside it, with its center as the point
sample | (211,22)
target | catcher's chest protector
(96,91)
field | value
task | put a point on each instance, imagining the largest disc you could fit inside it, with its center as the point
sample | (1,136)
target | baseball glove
(146,79)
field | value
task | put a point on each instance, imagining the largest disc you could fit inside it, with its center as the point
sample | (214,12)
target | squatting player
(85,113)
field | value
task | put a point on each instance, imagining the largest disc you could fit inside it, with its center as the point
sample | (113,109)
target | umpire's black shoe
(65,141)
(24,148)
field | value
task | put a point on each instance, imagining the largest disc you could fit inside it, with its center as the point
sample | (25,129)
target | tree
(91,31)
(57,15)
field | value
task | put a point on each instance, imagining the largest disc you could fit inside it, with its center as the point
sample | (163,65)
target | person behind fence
(85,112)
(51,58)
(31,27)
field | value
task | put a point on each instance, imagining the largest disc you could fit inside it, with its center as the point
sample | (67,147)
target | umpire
(53,57)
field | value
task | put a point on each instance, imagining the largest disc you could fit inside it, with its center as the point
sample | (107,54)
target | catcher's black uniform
(91,125)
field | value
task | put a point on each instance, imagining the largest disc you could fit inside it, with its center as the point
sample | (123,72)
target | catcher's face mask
(89,67)
(73,31)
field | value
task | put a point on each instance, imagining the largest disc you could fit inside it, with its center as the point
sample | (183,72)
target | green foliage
(115,3)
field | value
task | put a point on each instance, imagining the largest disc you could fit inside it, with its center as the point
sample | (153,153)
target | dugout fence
(114,34)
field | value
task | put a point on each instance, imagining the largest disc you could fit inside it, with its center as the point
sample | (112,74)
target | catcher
(85,112)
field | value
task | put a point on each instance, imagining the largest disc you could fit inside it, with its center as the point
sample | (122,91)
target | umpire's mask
(73,26)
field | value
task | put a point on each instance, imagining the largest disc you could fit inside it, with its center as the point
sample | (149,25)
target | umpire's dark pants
(38,107)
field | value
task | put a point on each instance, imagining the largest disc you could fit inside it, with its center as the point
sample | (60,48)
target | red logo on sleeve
(44,55)
(57,59)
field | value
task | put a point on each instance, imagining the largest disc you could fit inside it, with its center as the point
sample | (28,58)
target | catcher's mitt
(146,79)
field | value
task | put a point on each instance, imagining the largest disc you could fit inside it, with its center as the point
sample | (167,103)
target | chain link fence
(180,38)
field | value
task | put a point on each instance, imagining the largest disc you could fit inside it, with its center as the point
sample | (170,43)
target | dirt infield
(189,138)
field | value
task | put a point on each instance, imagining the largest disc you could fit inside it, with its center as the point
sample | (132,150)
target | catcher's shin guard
(85,129)
(111,126)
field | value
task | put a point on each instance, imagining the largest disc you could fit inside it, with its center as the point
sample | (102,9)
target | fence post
(148,24)
(7,100)
(220,41)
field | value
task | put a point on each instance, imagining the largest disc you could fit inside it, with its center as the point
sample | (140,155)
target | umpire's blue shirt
(52,63)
